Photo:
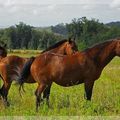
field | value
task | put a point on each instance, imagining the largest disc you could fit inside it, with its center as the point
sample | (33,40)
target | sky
(52,12)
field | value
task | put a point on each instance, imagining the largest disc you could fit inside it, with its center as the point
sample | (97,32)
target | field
(70,101)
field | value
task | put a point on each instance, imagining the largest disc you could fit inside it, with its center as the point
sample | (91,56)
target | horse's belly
(30,80)
(69,83)
(68,76)
(69,80)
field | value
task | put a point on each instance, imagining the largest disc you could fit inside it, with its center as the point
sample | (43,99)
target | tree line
(87,32)
(24,36)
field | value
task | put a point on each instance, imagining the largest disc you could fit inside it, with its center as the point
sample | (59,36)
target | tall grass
(70,101)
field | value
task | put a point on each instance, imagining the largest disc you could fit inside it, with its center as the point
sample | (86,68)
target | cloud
(51,6)
(115,4)
(35,12)
(40,2)
(51,12)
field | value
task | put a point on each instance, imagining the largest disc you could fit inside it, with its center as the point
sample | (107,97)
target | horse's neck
(106,55)
(60,50)
(106,58)
(103,55)
(1,58)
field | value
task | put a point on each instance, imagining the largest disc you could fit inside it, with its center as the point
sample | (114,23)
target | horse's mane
(101,44)
(55,45)
(2,48)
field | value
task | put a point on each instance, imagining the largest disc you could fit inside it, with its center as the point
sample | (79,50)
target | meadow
(69,101)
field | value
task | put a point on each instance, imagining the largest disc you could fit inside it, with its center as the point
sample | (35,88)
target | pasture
(69,101)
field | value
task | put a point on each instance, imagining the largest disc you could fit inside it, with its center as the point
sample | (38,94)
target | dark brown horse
(81,67)
(11,66)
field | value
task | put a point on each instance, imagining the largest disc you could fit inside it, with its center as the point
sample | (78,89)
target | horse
(11,66)
(82,67)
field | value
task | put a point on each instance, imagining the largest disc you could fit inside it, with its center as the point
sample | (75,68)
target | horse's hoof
(47,103)
(41,100)
(37,109)
(7,104)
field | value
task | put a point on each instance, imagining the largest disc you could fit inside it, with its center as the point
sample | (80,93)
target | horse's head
(70,47)
(3,51)
(65,47)
(117,48)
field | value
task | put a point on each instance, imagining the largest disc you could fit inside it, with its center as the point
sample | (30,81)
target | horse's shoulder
(81,55)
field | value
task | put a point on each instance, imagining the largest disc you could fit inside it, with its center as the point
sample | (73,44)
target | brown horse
(81,67)
(11,66)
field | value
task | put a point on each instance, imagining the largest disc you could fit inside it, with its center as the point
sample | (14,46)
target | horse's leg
(88,89)
(5,75)
(46,93)
(38,92)
(1,87)
(4,93)
(0,91)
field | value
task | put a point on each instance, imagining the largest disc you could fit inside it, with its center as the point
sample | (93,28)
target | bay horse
(82,67)
(11,66)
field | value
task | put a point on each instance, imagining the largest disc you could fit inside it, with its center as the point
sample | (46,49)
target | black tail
(25,71)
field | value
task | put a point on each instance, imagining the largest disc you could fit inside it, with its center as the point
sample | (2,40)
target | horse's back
(13,59)
(11,66)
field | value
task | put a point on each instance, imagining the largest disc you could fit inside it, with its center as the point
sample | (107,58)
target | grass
(25,53)
(70,101)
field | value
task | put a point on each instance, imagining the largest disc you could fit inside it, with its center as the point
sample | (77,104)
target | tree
(23,34)
(86,31)
(60,29)
(11,31)
(35,39)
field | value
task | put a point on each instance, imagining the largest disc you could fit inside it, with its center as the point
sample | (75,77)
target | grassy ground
(70,101)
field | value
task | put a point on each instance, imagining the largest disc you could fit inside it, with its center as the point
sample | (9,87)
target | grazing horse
(11,66)
(82,67)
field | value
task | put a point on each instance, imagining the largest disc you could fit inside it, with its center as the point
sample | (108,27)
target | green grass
(70,101)
(25,53)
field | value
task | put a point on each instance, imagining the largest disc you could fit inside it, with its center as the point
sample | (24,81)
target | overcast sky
(52,12)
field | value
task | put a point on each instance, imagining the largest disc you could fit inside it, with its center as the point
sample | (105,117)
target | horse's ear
(74,39)
(69,40)
(5,45)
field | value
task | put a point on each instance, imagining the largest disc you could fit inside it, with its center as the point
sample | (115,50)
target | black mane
(2,48)
(100,45)
(55,45)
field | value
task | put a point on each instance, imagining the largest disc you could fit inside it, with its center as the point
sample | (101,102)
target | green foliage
(23,33)
(24,36)
(81,45)
(117,24)
(60,29)
(89,32)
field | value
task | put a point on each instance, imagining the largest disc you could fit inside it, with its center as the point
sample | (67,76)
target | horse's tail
(25,72)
